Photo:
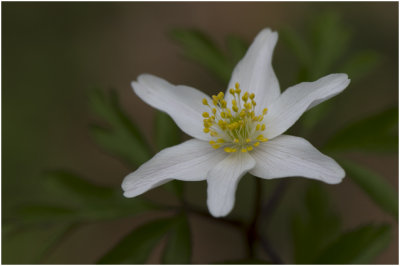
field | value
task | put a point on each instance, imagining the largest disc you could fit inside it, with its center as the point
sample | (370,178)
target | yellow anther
(260,137)
(223,103)
(245,97)
(234,127)
(265,111)
(222,124)
(227,149)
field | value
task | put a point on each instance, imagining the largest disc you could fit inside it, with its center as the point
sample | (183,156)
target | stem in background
(273,201)
(275,259)
(267,211)
(252,234)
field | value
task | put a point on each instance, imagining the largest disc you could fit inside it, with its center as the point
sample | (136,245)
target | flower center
(237,128)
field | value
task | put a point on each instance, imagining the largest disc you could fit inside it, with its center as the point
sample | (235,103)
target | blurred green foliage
(122,137)
(200,48)
(179,247)
(359,246)
(315,226)
(316,232)
(374,185)
(361,135)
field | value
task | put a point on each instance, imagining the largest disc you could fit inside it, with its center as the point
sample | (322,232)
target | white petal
(287,156)
(182,103)
(222,182)
(189,161)
(255,73)
(293,102)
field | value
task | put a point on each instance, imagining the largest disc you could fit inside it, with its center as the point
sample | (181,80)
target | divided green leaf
(122,139)
(136,247)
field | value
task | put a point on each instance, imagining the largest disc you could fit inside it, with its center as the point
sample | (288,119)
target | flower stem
(267,211)
(252,235)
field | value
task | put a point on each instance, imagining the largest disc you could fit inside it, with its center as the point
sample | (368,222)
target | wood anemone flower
(238,131)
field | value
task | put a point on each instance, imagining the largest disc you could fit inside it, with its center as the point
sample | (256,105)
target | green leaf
(136,247)
(21,245)
(361,64)
(359,246)
(199,47)
(377,133)
(167,134)
(39,212)
(122,139)
(330,40)
(298,46)
(237,48)
(74,199)
(315,227)
(313,116)
(75,188)
(46,213)
(377,188)
(179,247)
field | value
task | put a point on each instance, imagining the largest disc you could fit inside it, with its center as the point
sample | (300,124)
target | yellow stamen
(263,127)
(234,128)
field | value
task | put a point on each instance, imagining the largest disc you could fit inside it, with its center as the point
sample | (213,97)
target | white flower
(233,134)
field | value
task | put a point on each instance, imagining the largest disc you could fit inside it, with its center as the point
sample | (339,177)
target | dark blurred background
(54,53)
